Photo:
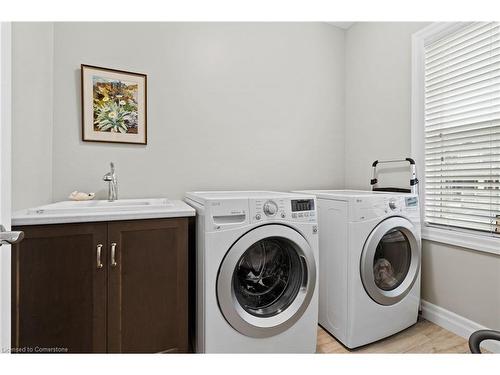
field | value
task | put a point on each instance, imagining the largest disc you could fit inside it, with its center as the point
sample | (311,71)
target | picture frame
(114,105)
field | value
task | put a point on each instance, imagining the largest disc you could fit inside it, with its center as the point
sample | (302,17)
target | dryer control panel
(298,210)
(384,205)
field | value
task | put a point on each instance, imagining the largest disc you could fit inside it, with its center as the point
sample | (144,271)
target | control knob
(392,205)
(270,208)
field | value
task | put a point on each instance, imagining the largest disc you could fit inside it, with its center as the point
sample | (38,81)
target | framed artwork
(114,105)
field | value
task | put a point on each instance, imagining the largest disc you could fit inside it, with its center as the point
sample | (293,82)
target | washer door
(266,281)
(390,261)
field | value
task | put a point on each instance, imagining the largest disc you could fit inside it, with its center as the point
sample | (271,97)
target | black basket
(393,189)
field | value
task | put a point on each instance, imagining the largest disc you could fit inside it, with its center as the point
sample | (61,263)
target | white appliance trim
(455,323)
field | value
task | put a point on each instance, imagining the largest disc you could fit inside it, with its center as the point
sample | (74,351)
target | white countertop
(101,210)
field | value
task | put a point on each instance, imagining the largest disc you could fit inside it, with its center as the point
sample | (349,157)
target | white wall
(463,281)
(230,106)
(32,109)
(5,181)
(378,107)
(378,125)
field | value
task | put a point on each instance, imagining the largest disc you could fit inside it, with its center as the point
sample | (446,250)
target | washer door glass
(268,277)
(266,280)
(391,262)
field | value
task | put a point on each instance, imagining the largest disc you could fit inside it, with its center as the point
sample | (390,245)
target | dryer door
(266,280)
(390,261)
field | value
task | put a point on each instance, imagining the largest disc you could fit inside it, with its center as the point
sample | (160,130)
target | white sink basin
(102,210)
(68,207)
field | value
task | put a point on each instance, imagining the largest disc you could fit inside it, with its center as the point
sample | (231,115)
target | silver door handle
(99,251)
(10,237)
(113,254)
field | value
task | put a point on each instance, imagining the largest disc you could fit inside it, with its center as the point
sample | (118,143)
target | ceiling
(342,25)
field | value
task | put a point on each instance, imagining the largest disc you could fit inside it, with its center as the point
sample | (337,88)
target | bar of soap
(80,196)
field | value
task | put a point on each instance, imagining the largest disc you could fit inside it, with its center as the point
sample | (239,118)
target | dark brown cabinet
(148,284)
(58,293)
(118,287)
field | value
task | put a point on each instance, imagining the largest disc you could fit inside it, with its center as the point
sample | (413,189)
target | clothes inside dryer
(267,277)
(392,260)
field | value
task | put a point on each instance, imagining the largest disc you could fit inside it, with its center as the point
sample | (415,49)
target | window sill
(468,240)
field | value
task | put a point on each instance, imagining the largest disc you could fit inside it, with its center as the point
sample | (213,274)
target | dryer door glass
(392,260)
(268,277)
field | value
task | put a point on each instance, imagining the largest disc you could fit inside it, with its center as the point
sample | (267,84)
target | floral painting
(114,101)
(115,105)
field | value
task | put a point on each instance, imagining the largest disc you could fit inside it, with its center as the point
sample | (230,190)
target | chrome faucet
(110,177)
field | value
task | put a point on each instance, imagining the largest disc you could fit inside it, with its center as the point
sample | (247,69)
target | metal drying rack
(413,178)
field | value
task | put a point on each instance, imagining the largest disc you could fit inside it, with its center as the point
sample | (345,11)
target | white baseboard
(455,323)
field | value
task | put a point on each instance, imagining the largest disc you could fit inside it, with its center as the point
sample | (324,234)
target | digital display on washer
(302,205)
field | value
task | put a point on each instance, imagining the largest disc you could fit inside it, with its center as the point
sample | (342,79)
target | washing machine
(370,250)
(256,271)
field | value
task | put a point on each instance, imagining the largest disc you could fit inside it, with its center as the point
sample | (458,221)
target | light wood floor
(423,337)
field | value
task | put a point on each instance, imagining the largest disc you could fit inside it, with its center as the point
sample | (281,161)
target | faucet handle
(112,165)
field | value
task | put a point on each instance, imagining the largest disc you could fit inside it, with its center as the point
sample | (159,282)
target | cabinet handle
(99,250)
(113,254)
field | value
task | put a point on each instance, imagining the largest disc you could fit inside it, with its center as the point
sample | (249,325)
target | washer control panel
(303,210)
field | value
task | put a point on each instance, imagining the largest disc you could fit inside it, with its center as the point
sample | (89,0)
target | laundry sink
(100,210)
(69,207)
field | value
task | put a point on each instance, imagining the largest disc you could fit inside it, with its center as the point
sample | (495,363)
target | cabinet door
(147,286)
(58,290)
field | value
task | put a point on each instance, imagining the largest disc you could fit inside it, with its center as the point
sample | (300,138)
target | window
(459,120)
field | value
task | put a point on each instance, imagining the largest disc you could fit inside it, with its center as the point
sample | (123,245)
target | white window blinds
(462,129)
